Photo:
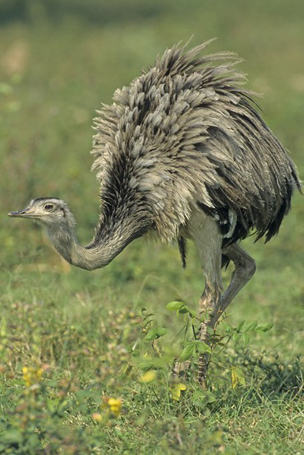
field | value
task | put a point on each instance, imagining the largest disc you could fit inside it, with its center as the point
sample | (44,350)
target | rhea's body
(182,153)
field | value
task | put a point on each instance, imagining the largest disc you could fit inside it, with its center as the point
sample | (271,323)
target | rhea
(182,153)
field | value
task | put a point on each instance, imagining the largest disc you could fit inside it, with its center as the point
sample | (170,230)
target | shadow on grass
(272,374)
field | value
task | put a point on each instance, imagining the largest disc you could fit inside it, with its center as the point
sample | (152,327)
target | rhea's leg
(211,298)
(212,302)
(209,306)
(208,241)
(244,269)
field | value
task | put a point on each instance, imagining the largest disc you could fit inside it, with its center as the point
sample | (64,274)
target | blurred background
(59,59)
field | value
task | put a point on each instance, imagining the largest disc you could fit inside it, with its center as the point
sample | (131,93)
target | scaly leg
(209,306)
(244,269)
(205,233)
(208,240)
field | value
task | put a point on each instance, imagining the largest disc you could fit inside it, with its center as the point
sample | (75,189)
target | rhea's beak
(26,213)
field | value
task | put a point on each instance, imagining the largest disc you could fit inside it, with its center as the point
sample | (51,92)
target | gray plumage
(182,153)
(186,134)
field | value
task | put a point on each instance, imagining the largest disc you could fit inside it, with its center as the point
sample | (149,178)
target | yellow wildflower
(32,375)
(149,376)
(113,405)
(97,417)
(176,390)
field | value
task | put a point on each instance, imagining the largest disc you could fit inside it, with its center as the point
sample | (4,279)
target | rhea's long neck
(88,258)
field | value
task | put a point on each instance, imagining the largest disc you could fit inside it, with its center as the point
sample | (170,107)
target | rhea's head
(49,211)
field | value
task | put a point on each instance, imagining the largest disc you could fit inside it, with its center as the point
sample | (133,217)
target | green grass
(87,331)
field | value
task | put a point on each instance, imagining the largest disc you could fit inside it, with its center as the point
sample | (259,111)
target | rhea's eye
(48,207)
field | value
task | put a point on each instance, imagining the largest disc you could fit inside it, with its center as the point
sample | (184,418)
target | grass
(70,341)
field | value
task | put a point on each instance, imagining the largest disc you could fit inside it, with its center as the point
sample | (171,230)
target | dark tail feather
(183,250)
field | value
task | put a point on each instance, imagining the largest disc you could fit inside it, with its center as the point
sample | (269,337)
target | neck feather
(93,256)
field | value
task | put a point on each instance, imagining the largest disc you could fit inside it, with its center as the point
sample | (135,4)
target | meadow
(85,357)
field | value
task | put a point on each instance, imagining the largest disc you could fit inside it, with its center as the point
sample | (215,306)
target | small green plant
(152,353)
